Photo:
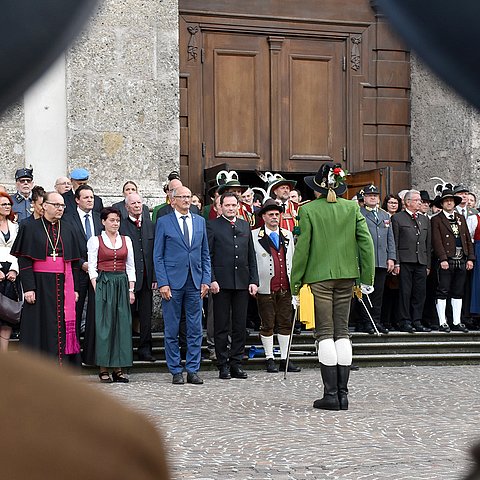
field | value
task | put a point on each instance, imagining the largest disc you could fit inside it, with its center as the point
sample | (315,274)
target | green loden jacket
(334,243)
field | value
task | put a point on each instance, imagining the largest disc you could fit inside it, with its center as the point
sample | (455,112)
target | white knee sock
(327,353)
(457,310)
(441,306)
(267,343)
(283,343)
(343,346)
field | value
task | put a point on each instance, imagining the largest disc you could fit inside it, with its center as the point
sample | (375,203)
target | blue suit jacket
(173,258)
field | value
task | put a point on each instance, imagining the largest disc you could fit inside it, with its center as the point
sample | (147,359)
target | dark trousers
(412,289)
(230,304)
(143,307)
(451,282)
(376,299)
(85,293)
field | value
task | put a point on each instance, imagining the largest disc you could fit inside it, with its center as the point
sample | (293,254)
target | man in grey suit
(378,222)
(413,245)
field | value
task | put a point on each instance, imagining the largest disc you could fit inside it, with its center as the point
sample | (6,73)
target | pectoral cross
(54,255)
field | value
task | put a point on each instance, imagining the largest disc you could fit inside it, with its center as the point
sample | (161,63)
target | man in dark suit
(234,277)
(85,223)
(182,267)
(141,231)
(79,177)
(453,248)
(412,241)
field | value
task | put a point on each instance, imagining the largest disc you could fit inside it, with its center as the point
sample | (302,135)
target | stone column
(45,107)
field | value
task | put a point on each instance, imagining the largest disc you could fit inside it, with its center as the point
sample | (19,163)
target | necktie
(414,216)
(463,212)
(375,215)
(186,235)
(137,223)
(275,239)
(88,229)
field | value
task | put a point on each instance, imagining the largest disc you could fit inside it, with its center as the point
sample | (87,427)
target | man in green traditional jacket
(333,252)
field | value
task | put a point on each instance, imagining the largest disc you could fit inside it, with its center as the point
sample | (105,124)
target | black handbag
(10,310)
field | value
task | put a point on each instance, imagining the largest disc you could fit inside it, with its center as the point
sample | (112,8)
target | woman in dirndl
(9,284)
(112,272)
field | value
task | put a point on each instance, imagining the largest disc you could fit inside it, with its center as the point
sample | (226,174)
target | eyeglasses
(24,180)
(56,205)
(183,197)
(6,205)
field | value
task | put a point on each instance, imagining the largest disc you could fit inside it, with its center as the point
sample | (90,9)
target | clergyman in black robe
(47,249)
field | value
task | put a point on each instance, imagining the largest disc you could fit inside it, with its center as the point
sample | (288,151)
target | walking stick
(290,341)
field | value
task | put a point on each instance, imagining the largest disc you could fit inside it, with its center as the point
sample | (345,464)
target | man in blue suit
(182,266)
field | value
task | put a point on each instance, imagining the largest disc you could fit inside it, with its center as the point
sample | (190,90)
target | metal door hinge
(344,154)
(202,55)
(344,64)
(204,149)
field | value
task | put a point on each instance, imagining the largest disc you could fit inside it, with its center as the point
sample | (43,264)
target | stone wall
(122,85)
(122,101)
(12,144)
(445,133)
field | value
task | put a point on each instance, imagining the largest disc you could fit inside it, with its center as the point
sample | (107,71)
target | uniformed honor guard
(453,248)
(274,248)
(22,198)
(279,189)
(378,223)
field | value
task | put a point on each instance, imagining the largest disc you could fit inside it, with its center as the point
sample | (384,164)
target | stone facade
(123,105)
(445,133)
(122,101)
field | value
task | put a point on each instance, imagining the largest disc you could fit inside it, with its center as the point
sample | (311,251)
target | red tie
(138,223)
(414,216)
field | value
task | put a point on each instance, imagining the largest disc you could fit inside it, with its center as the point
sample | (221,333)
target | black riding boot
(330,390)
(343,373)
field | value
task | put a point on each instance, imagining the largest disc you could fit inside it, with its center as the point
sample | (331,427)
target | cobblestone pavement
(403,423)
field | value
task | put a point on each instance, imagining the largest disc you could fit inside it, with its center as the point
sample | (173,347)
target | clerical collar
(233,220)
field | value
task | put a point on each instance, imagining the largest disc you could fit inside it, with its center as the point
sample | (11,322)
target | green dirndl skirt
(113,321)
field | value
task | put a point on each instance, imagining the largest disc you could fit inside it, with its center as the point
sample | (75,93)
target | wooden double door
(272,103)
(268,102)
(286,85)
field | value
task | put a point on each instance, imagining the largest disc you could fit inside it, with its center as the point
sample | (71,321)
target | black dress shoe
(193,378)
(147,357)
(444,328)
(178,379)
(291,366)
(382,329)
(224,373)
(407,328)
(420,328)
(271,367)
(460,328)
(237,372)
